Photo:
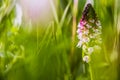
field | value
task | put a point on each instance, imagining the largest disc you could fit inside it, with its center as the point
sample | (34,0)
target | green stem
(90,71)
(75,7)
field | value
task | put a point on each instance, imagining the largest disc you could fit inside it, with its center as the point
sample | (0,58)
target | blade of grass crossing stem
(69,19)
(54,11)
(7,9)
(117,24)
(47,36)
(65,13)
(58,31)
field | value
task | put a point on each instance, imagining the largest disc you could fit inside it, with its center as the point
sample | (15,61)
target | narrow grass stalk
(117,28)
(90,71)
(75,5)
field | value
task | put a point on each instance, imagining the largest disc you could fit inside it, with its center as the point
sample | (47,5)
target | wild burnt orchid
(89,33)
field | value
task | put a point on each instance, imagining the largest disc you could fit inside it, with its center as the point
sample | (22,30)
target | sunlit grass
(49,52)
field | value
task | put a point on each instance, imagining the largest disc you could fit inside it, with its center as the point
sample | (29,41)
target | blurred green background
(41,45)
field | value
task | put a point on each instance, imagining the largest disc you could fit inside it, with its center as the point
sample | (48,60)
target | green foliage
(45,52)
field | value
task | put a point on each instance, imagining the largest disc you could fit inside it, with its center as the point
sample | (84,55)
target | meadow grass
(49,52)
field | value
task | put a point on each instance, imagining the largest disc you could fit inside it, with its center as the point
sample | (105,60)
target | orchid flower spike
(89,31)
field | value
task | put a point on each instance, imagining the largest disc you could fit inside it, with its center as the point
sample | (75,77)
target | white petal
(86,32)
(79,44)
(92,20)
(86,39)
(88,26)
(98,23)
(86,59)
(100,27)
(80,36)
(78,30)
(90,50)
(79,25)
